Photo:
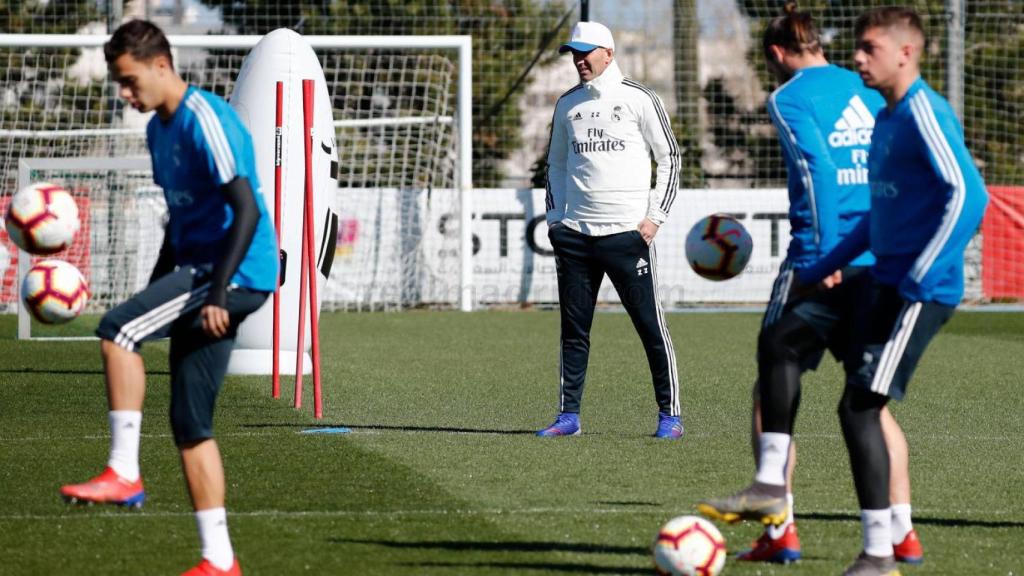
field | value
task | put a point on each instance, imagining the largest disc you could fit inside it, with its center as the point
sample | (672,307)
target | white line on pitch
(107,437)
(326,513)
(299,514)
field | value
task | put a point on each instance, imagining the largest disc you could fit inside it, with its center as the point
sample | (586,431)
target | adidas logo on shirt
(854,127)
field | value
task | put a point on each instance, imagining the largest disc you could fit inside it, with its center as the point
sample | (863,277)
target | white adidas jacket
(603,136)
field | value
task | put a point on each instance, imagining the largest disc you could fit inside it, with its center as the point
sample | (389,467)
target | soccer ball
(718,247)
(54,291)
(689,546)
(42,218)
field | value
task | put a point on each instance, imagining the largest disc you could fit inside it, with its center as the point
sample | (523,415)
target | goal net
(399,106)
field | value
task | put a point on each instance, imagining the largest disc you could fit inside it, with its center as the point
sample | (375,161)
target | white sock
(213,534)
(877,526)
(901,524)
(774,448)
(776,532)
(125,431)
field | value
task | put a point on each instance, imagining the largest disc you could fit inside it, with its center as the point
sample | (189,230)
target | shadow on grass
(66,371)
(566,567)
(459,545)
(925,521)
(447,429)
(628,503)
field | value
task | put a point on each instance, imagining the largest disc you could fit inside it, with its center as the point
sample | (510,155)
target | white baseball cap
(587,36)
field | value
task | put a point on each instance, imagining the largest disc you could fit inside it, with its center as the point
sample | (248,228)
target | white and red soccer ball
(718,247)
(689,546)
(42,219)
(54,291)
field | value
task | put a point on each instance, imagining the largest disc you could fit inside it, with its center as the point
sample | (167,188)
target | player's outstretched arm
(852,245)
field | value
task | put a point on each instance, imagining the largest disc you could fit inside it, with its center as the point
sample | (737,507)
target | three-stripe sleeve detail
(549,197)
(671,189)
(216,139)
(938,146)
(789,142)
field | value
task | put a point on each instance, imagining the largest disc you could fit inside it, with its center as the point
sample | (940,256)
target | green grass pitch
(442,476)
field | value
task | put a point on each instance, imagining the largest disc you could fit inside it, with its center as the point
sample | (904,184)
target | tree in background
(37,92)
(507,34)
(51,17)
(994,90)
(686,124)
(993,78)
(34,91)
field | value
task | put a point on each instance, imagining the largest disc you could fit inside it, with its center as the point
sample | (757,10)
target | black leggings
(780,351)
(860,415)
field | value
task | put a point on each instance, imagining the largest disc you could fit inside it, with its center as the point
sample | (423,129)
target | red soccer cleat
(909,551)
(107,488)
(204,568)
(779,550)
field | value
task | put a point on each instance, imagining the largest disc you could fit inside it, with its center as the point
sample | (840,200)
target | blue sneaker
(567,424)
(669,427)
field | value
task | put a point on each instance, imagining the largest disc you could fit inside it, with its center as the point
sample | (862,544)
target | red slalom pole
(309,252)
(275,390)
(300,349)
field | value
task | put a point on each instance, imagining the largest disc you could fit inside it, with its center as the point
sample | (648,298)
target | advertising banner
(1002,276)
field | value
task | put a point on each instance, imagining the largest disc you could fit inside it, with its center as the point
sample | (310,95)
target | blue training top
(202,147)
(824,116)
(927,201)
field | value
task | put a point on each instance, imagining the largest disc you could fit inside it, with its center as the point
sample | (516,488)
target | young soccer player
(927,201)
(218,264)
(824,116)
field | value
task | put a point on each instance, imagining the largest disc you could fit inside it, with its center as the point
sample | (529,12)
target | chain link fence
(701,56)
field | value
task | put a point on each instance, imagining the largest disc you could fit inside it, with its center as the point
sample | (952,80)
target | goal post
(102,187)
(402,108)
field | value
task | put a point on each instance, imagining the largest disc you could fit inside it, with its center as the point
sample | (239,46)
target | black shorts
(890,337)
(170,307)
(829,312)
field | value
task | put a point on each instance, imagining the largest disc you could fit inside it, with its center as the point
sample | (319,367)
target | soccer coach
(603,215)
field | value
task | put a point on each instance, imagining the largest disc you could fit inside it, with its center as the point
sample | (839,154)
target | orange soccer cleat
(782,550)
(909,551)
(107,488)
(204,568)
